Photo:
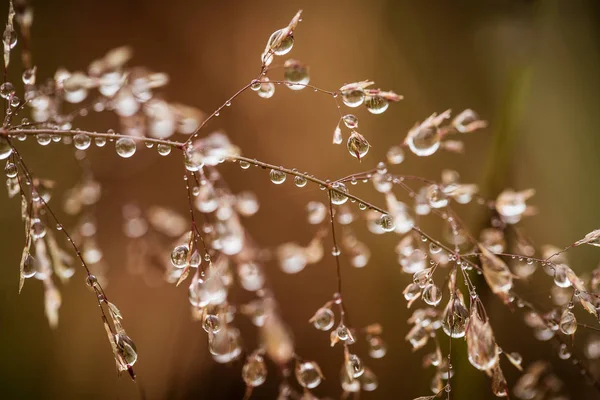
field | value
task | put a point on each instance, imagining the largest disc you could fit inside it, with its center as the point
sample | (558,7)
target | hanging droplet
(323,319)
(266,90)
(386,223)
(6,90)
(568,322)
(423,140)
(179,256)
(432,294)
(436,197)
(125,147)
(563,352)
(29,76)
(422,277)
(377,347)
(455,317)
(412,291)
(285,44)
(163,149)
(350,120)
(376,104)
(82,141)
(296,72)
(338,198)
(395,155)
(43,138)
(277,177)
(11,170)
(29,268)
(5,149)
(561,278)
(211,323)
(357,145)
(244,164)
(434,248)
(100,141)
(38,229)
(353,98)
(308,374)
(254,371)
(300,181)
(354,366)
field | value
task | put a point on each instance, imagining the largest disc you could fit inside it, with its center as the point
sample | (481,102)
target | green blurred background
(529,67)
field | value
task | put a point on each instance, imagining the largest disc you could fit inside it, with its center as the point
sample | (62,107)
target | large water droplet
(353,98)
(376,104)
(125,147)
(323,319)
(179,256)
(296,72)
(357,145)
(424,140)
(5,149)
(82,141)
(338,198)
(308,374)
(163,149)
(432,294)
(277,177)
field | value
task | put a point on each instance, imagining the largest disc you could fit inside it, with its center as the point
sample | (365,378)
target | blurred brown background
(529,67)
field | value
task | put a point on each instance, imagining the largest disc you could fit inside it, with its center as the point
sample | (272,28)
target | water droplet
(179,256)
(455,316)
(254,371)
(423,140)
(300,181)
(434,248)
(357,145)
(285,44)
(163,149)
(43,138)
(412,291)
(377,347)
(82,141)
(38,229)
(100,141)
(568,323)
(323,319)
(354,366)
(6,90)
(277,177)
(386,223)
(11,170)
(29,76)
(353,98)
(125,147)
(350,120)
(266,90)
(338,198)
(436,197)
(296,72)
(376,104)
(29,268)
(5,149)
(244,164)
(308,374)
(432,294)
(211,323)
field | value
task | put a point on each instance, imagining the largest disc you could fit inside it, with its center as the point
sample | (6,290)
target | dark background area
(528,67)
